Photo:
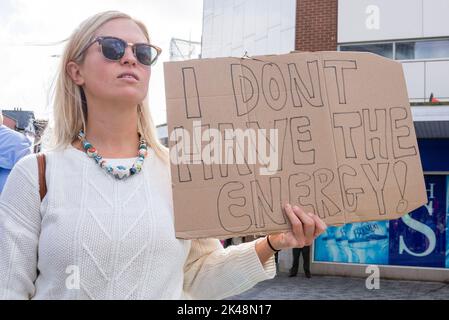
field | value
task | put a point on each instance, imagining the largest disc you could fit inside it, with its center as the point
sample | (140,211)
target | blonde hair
(69,104)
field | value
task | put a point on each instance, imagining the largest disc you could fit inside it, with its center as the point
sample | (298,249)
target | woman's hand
(305,228)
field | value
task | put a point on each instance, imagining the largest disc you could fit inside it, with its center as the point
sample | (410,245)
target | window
(422,50)
(407,50)
(382,49)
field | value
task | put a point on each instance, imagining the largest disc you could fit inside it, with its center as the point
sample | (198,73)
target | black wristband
(269,243)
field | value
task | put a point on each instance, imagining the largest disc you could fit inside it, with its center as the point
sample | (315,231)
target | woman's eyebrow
(118,37)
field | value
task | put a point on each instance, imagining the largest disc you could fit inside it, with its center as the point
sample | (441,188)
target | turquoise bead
(87,145)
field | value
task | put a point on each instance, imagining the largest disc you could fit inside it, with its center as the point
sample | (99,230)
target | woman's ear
(74,72)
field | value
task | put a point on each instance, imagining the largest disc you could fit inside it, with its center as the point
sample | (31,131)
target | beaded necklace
(119,172)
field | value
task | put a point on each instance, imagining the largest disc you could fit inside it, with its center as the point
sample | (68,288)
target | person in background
(227,242)
(13,146)
(306,257)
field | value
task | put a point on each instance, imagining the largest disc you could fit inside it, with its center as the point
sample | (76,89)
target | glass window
(422,50)
(382,49)
(405,50)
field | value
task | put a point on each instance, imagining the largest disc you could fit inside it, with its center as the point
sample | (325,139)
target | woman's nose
(128,57)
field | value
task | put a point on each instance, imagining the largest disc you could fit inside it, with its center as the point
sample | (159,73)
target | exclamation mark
(400,174)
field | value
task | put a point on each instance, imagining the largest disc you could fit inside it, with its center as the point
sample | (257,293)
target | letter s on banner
(422,228)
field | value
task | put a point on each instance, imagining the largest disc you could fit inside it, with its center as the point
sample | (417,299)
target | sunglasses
(114,49)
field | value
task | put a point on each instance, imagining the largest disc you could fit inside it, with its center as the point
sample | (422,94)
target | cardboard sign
(331,132)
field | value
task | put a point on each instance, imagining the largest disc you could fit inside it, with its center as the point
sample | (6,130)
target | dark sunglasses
(114,49)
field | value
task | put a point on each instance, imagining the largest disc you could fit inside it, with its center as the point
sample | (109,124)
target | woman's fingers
(320,225)
(308,224)
(305,226)
(297,228)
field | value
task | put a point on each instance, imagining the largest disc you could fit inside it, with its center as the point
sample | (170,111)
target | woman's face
(101,77)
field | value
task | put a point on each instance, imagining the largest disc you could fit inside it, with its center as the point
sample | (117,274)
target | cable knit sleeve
(212,272)
(19,230)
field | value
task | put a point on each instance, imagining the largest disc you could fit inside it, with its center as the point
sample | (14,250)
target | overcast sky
(28,70)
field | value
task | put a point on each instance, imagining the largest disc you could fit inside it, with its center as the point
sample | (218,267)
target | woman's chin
(128,98)
(125,102)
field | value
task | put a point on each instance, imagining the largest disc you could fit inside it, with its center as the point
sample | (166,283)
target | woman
(105,228)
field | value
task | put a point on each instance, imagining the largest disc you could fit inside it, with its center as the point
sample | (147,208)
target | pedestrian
(13,146)
(227,242)
(105,227)
(306,261)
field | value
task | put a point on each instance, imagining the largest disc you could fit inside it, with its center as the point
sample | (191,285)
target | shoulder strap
(41,169)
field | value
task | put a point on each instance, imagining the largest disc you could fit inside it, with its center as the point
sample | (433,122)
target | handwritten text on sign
(331,132)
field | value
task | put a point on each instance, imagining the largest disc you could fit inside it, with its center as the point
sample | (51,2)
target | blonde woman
(105,228)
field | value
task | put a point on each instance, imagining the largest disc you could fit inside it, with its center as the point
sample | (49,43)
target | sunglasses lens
(113,49)
(146,54)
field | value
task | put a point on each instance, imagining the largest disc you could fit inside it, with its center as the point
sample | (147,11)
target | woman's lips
(129,79)
(128,74)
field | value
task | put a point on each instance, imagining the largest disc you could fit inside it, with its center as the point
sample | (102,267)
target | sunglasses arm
(87,47)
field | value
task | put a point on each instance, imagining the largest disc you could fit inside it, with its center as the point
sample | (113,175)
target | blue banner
(420,238)
(365,242)
(447,222)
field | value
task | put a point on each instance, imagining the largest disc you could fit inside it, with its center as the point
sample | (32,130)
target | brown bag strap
(41,170)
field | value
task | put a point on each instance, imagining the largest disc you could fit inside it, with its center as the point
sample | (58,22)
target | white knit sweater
(95,237)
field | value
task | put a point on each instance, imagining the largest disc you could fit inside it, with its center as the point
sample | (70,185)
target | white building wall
(387,20)
(258,27)
(414,73)
(435,18)
(398,19)
(426,77)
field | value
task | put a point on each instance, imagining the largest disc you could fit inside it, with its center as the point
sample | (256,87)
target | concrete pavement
(341,288)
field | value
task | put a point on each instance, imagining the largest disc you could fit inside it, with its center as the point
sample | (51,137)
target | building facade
(413,32)
(19,120)
(256,27)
